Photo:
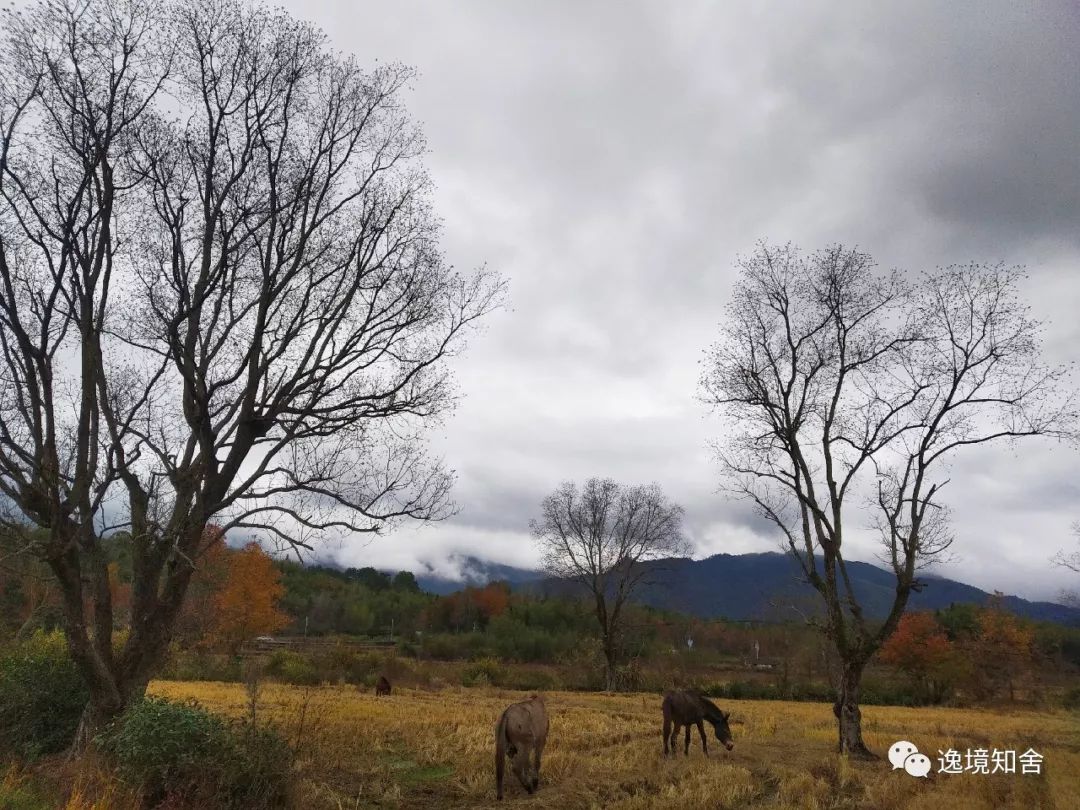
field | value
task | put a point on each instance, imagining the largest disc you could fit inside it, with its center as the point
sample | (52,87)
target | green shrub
(42,696)
(190,665)
(293,668)
(408,649)
(455,646)
(167,749)
(485,672)
(335,665)
(531,679)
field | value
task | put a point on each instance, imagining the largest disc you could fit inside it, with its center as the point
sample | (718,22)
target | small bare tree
(602,537)
(842,384)
(252,672)
(221,296)
(1070,560)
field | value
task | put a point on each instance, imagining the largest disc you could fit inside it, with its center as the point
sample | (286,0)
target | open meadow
(434,749)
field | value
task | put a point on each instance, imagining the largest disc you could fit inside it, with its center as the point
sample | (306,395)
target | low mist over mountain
(754,586)
(473,571)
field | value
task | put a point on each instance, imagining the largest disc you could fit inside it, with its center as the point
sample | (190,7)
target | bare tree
(844,385)
(601,537)
(1070,560)
(221,296)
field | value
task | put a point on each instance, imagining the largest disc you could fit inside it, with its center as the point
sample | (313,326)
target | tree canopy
(221,297)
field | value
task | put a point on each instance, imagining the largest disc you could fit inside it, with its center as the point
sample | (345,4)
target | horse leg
(536,764)
(500,762)
(704,741)
(686,749)
(667,733)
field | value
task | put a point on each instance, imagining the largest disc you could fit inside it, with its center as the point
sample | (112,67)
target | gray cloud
(613,159)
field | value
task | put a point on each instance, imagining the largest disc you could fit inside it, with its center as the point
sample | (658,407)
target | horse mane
(712,711)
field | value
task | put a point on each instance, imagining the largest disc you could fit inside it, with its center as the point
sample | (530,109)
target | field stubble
(434,749)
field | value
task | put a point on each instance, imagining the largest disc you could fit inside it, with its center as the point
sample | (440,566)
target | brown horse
(522,730)
(692,709)
(382,686)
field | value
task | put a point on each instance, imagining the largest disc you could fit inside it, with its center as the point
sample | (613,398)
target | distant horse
(382,686)
(691,709)
(522,730)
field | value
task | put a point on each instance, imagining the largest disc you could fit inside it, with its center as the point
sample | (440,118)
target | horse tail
(500,754)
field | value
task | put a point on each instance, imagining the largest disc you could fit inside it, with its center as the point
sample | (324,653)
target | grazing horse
(691,709)
(522,730)
(382,686)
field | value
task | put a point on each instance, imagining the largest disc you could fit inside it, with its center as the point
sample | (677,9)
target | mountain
(769,586)
(763,586)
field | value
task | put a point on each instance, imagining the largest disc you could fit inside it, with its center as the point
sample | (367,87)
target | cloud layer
(613,159)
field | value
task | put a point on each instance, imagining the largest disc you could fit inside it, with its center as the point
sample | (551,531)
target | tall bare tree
(847,391)
(221,296)
(602,537)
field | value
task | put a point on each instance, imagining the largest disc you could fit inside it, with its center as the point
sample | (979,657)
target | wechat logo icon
(904,754)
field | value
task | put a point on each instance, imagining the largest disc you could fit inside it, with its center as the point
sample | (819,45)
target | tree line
(979,652)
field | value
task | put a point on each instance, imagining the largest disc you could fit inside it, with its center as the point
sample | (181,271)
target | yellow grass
(435,749)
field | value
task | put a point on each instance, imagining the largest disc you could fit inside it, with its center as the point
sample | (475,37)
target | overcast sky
(612,159)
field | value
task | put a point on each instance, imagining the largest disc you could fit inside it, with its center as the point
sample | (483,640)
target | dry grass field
(434,749)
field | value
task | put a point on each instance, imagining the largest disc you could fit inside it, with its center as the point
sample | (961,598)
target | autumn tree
(603,537)
(842,386)
(492,600)
(221,298)
(920,648)
(195,621)
(1003,648)
(246,606)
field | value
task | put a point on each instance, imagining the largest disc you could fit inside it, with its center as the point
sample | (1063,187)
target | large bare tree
(601,537)
(221,296)
(847,391)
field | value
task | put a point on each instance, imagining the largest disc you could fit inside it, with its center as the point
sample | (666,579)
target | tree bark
(103,706)
(609,665)
(93,720)
(848,714)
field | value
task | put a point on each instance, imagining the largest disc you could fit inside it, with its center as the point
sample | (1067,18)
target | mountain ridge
(755,586)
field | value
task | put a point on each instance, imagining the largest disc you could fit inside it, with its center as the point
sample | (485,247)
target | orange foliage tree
(920,648)
(233,596)
(983,650)
(492,600)
(196,621)
(1004,648)
(246,606)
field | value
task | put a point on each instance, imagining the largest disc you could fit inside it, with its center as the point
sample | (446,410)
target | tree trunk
(848,715)
(100,710)
(609,667)
(93,720)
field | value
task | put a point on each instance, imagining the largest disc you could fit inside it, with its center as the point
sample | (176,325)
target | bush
(531,679)
(294,668)
(42,697)
(165,749)
(485,672)
(185,665)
